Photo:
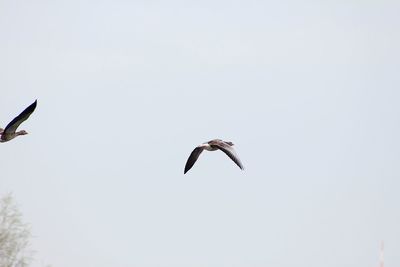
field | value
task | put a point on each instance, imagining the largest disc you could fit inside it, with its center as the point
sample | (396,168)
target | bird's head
(22,132)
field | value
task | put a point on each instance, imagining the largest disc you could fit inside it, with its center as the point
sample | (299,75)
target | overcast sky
(307,90)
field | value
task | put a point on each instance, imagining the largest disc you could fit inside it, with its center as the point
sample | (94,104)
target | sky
(308,91)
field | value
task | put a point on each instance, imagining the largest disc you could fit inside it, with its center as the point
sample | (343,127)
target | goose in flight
(213,145)
(10,131)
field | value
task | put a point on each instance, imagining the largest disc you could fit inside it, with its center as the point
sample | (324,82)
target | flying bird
(213,145)
(9,132)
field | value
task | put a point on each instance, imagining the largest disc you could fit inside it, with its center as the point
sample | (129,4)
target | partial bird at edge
(9,132)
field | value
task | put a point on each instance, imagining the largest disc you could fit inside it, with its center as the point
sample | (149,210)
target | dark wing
(193,158)
(13,125)
(228,150)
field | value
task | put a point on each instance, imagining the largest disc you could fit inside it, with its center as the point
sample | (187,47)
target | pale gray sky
(307,90)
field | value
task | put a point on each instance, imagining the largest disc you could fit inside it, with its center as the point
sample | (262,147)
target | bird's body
(10,132)
(208,147)
(213,145)
(5,137)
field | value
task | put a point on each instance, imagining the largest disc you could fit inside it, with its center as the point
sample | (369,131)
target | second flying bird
(213,145)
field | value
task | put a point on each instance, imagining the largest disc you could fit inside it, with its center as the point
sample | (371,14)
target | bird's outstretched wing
(13,125)
(230,152)
(193,158)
